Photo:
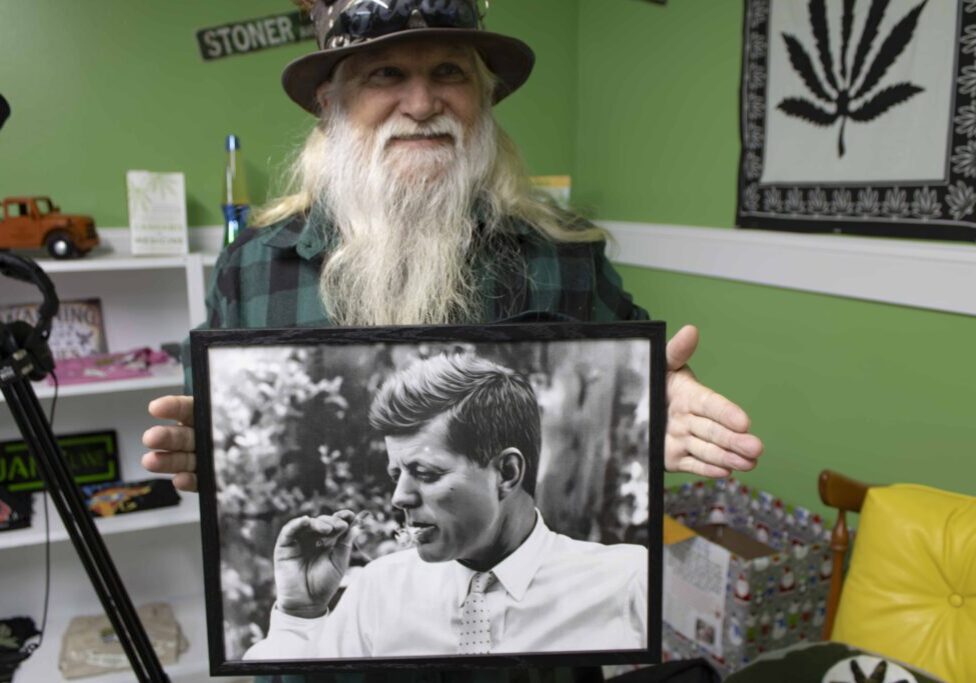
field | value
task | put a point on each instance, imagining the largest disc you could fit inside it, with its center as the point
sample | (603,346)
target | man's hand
(707,435)
(310,558)
(173,447)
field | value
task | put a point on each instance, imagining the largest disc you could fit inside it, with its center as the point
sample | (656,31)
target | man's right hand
(310,558)
(173,448)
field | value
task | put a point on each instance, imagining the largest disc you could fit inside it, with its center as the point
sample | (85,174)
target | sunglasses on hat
(365,19)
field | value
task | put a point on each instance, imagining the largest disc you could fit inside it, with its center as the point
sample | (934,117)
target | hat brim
(508,58)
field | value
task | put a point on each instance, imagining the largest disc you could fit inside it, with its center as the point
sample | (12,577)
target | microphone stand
(15,365)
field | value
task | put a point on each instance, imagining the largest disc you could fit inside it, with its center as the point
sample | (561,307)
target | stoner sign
(92,457)
(253,35)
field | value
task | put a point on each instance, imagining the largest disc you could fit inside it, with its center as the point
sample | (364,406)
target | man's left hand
(707,435)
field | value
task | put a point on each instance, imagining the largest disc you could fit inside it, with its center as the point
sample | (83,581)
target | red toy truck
(36,222)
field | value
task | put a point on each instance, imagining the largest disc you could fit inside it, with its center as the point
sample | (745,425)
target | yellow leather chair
(910,590)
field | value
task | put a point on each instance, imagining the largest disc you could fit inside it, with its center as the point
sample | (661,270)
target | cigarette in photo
(406,536)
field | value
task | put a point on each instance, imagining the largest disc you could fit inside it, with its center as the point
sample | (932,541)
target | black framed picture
(458,496)
(859,117)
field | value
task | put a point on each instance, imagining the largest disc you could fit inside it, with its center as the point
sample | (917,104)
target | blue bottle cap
(233,142)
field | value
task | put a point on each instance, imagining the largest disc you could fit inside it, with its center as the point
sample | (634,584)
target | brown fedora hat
(508,58)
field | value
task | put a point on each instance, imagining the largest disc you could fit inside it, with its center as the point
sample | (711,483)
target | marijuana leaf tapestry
(859,116)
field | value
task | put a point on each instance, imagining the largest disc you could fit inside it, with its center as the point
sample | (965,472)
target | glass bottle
(236,202)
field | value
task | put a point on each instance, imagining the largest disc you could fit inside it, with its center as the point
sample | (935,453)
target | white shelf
(115,253)
(103,258)
(192,667)
(162,378)
(187,512)
(148,300)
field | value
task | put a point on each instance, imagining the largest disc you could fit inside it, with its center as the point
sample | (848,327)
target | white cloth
(475,636)
(552,594)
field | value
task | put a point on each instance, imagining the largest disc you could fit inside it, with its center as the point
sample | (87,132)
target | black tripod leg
(81,528)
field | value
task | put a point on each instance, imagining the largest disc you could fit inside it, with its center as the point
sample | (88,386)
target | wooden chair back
(847,495)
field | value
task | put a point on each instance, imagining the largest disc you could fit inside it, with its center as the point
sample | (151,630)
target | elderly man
(409,206)
(485,574)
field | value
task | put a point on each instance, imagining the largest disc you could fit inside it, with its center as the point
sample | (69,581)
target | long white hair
(405,240)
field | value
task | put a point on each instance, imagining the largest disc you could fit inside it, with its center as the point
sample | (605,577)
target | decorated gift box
(744,573)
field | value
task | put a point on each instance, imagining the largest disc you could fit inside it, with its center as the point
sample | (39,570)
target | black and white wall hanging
(859,116)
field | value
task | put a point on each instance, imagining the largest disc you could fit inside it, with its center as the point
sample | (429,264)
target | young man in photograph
(485,575)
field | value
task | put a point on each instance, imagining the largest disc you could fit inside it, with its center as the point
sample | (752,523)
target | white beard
(404,220)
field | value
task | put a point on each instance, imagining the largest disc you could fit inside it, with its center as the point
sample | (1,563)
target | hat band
(368,19)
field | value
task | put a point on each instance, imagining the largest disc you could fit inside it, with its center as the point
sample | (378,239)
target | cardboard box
(744,573)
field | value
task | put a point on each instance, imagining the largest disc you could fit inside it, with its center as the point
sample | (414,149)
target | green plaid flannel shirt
(269,277)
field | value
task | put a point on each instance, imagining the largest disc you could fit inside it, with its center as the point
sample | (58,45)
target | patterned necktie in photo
(475,636)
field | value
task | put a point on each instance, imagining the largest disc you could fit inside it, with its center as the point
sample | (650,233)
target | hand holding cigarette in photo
(310,558)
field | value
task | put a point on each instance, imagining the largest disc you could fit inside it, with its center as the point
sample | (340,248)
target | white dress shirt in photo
(553,594)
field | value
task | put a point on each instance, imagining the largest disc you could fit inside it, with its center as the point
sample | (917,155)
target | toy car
(36,222)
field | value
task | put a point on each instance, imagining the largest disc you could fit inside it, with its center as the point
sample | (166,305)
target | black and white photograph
(467,495)
(857,116)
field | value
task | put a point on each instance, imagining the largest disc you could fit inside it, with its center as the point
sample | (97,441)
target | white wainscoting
(939,276)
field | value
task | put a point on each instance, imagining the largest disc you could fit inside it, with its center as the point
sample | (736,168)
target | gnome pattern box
(744,573)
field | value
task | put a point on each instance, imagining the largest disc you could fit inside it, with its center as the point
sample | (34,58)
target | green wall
(98,88)
(881,392)
(638,100)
